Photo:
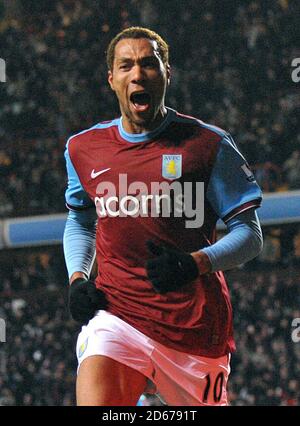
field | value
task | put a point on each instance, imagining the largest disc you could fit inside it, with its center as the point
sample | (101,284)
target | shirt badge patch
(82,347)
(172,166)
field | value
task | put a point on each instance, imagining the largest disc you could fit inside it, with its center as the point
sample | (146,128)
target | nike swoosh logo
(96,174)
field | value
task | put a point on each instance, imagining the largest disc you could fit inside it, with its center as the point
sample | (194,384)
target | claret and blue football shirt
(105,163)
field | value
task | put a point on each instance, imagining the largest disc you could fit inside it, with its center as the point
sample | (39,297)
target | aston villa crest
(172,166)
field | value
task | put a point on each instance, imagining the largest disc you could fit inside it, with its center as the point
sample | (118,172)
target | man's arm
(243,242)
(79,248)
(172,268)
(79,243)
(80,230)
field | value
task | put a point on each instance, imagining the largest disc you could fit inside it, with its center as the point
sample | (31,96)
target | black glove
(171,269)
(84,300)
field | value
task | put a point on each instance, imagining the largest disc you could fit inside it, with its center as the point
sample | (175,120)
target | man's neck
(135,128)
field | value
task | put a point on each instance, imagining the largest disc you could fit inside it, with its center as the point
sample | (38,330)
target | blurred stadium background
(231,66)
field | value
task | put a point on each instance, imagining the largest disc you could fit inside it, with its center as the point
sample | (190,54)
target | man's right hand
(85,299)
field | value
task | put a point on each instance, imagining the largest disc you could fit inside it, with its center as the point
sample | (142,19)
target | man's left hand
(171,268)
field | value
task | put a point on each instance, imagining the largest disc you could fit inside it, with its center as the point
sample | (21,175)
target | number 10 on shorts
(213,389)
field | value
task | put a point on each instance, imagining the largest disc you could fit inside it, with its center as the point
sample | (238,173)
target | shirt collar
(143,137)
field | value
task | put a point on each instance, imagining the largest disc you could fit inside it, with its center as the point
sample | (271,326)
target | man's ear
(110,80)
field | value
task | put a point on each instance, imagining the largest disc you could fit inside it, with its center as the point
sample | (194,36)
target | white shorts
(179,378)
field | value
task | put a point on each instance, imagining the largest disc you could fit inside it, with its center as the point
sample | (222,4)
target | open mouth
(140,100)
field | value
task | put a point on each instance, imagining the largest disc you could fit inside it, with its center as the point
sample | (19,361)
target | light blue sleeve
(80,230)
(79,241)
(243,242)
(232,187)
(76,197)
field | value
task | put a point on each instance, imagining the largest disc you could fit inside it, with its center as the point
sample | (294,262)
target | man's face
(139,79)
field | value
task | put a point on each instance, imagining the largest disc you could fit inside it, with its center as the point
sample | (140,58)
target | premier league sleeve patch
(172,166)
(246,169)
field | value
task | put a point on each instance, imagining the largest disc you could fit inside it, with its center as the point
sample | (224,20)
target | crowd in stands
(231,66)
(266,366)
(38,363)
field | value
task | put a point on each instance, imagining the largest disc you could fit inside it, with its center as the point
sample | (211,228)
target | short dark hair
(137,32)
